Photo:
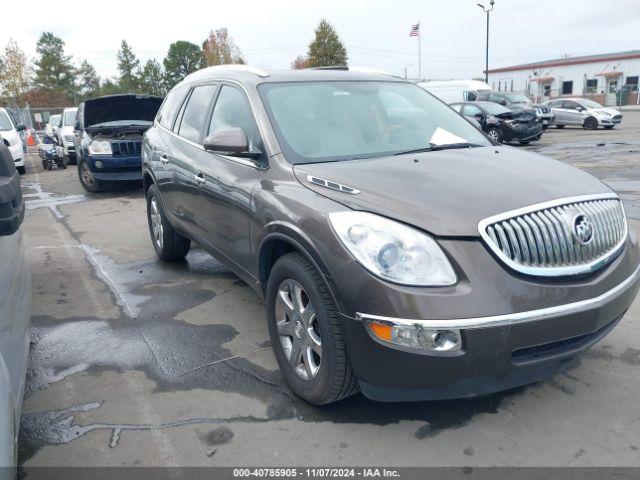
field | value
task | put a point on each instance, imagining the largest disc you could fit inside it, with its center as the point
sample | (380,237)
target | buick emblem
(582,229)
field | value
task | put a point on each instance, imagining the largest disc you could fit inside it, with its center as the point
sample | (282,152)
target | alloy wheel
(297,328)
(156,222)
(493,135)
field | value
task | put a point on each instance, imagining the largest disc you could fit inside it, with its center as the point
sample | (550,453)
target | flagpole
(419,52)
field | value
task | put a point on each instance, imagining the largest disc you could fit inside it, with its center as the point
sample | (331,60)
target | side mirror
(76,126)
(479,115)
(6,142)
(232,141)
(21,127)
(503,103)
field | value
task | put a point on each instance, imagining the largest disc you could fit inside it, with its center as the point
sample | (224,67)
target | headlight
(393,251)
(602,112)
(100,147)
(68,138)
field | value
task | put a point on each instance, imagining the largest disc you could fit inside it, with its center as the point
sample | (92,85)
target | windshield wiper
(434,147)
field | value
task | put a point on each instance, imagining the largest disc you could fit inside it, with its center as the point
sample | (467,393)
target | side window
(195,113)
(470,96)
(570,105)
(170,107)
(556,104)
(232,110)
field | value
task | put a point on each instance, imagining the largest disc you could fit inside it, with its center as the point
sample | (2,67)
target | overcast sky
(270,33)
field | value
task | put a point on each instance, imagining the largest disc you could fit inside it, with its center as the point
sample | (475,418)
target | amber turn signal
(381,331)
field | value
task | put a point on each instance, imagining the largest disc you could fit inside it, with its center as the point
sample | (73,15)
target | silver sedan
(583,112)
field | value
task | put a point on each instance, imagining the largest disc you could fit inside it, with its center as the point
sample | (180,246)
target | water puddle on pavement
(181,356)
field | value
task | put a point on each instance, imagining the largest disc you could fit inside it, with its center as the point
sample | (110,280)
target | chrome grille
(545,239)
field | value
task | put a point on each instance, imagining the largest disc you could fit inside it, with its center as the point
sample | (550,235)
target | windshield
(69,118)
(517,98)
(5,122)
(54,120)
(332,121)
(590,103)
(494,108)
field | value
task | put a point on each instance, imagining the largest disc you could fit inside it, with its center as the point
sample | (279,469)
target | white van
(454,91)
(9,133)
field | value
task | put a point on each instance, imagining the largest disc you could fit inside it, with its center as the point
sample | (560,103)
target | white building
(599,77)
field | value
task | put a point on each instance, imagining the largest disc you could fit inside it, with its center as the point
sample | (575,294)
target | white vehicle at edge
(9,132)
(65,132)
(52,125)
(454,91)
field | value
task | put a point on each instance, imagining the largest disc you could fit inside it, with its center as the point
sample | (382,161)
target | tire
(334,378)
(590,123)
(44,164)
(495,134)
(169,245)
(71,160)
(560,126)
(524,142)
(609,127)
(21,170)
(88,181)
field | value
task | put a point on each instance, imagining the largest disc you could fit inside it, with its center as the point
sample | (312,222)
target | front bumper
(524,133)
(547,324)
(115,168)
(69,149)
(603,121)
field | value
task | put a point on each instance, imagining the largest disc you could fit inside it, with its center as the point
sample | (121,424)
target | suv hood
(120,107)
(448,192)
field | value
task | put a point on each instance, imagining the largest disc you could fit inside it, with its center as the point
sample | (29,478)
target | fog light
(98,164)
(416,336)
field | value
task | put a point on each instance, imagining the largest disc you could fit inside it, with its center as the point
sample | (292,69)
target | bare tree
(299,63)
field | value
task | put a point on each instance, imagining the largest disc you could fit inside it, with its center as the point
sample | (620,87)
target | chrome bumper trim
(511,318)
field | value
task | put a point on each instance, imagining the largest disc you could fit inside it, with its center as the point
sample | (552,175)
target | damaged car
(398,250)
(108,134)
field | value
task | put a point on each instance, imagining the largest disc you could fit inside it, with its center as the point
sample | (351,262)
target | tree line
(53,78)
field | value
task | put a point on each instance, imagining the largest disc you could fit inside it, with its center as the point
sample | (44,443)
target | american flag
(415,30)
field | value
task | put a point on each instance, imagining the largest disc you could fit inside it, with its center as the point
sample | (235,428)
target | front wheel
(88,181)
(591,123)
(559,126)
(168,244)
(306,333)
(21,170)
(494,134)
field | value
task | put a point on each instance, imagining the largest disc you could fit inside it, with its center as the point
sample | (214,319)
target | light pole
(486,58)
(405,70)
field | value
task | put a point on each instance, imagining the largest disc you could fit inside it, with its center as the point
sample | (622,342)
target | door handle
(164,158)
(199,178)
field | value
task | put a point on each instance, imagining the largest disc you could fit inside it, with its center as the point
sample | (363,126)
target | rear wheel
(494,134)
(559,126)
(168,244)
(88,181)
(591,123)
(306,333)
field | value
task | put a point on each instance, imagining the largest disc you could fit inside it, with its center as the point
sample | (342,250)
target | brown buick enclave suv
(398,250)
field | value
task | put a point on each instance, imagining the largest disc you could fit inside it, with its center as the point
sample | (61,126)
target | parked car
(11,133)
(397,249)
(450,91)
(65,134)
(515,101)
(52,125)
(583,112)
(109,138)
(501,124)
(15,305)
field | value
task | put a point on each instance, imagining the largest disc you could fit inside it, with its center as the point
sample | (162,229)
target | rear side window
(232,110)
(170,107)
(195,113)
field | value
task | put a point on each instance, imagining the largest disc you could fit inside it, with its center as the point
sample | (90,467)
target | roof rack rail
(355,69)
(240,68)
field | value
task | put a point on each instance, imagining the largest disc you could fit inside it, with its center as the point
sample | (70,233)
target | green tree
(182,59)
(88,80)
(15,71)
(54,69)
(111,87)
(220,49)
(326,49)
(152,79)
(128,68)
